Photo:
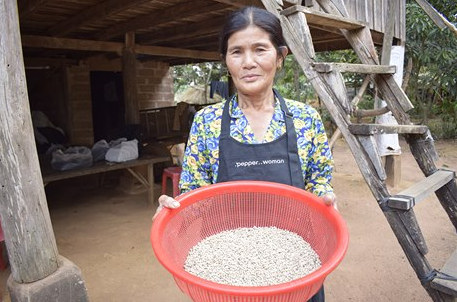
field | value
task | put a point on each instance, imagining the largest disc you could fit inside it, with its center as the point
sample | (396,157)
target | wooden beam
(177,52)
(437,18)
(71,44)
(320,19)
(241,3)
(129,72)
(355,68)
(115,47)
(305,33)
(209,41)
(93,13)
(388,33)
(340,6)
(330,7)
(355,101)
(369,145)
(26,7)
(176,12)
(370,129)
(181,32)
(48,61)
(408,198)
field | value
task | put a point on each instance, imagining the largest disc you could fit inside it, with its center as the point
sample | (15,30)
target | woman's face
(252,60)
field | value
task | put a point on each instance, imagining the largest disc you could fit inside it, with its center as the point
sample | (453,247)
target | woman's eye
(260,50)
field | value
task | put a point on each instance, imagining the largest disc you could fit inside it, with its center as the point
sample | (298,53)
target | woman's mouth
(250,77)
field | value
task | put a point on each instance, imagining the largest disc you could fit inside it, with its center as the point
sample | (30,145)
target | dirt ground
(106,234)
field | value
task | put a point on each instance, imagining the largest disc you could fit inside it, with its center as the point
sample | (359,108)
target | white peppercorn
(257,256)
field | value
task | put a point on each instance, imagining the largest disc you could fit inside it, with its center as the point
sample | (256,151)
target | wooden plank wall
(370,11)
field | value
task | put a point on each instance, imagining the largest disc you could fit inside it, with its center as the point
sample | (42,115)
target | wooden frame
(50,175)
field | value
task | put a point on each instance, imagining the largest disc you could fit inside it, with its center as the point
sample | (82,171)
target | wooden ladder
(328,83)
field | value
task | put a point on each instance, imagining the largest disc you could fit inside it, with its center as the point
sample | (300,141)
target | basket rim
(258,186)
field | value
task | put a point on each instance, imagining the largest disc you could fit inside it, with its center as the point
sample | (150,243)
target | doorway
(108,108)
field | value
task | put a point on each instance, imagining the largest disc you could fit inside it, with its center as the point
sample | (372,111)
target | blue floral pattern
(201,159)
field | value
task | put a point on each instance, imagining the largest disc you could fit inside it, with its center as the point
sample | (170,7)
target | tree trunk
(409,69)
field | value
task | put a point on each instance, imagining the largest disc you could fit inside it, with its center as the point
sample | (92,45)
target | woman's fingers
(330,200)
(166,202)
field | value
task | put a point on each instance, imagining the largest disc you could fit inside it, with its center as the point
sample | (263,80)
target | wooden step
(355,68)
(323,20)
(408,198)
(370,129)
(447,286)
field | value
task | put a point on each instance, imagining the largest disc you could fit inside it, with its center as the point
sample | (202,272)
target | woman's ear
(284,51)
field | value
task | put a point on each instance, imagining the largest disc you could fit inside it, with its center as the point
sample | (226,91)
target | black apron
(276,161)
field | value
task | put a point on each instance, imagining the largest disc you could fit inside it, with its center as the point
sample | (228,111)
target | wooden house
(94,65)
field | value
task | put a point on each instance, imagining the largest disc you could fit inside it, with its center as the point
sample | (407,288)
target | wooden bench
(50,175)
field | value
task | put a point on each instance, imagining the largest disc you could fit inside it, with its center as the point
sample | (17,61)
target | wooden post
(392,165)
(132,113)
(38,273)
(24,212)
(392,162)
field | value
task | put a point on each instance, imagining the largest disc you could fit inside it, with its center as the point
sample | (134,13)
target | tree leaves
(434,55)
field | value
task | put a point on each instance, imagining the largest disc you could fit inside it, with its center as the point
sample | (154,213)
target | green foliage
(197,74)
(292,83)
(433,84)
(446,7)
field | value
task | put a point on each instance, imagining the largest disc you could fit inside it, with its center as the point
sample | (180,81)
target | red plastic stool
(174,173)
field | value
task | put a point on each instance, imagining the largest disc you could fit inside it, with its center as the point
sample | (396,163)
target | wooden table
(50,175)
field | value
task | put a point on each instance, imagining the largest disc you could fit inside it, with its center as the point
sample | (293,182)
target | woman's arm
(196,167)
(320,160)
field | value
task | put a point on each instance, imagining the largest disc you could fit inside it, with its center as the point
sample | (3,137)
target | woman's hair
(243,18)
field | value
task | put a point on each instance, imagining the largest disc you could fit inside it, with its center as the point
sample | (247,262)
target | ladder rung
(408,198)
(321,19)
(356,68)
(447,286)
(370,129)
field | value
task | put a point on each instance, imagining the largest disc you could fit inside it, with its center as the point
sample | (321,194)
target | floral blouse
(201,158)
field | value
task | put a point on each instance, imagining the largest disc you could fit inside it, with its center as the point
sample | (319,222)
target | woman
(256,135)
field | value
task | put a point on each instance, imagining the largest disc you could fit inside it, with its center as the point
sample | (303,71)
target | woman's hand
(166,201)
(330,200)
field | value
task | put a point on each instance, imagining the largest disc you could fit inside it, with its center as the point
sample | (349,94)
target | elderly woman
(256,135)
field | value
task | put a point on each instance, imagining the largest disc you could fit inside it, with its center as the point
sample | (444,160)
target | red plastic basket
(212,209)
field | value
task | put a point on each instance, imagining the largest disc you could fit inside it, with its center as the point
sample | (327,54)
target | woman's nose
(249,60)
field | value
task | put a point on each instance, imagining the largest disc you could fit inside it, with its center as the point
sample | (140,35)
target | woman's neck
(258,102)
(258,111)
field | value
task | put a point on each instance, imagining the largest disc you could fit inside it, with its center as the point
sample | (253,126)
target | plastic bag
(124,151)
(71,158)
(99,150)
